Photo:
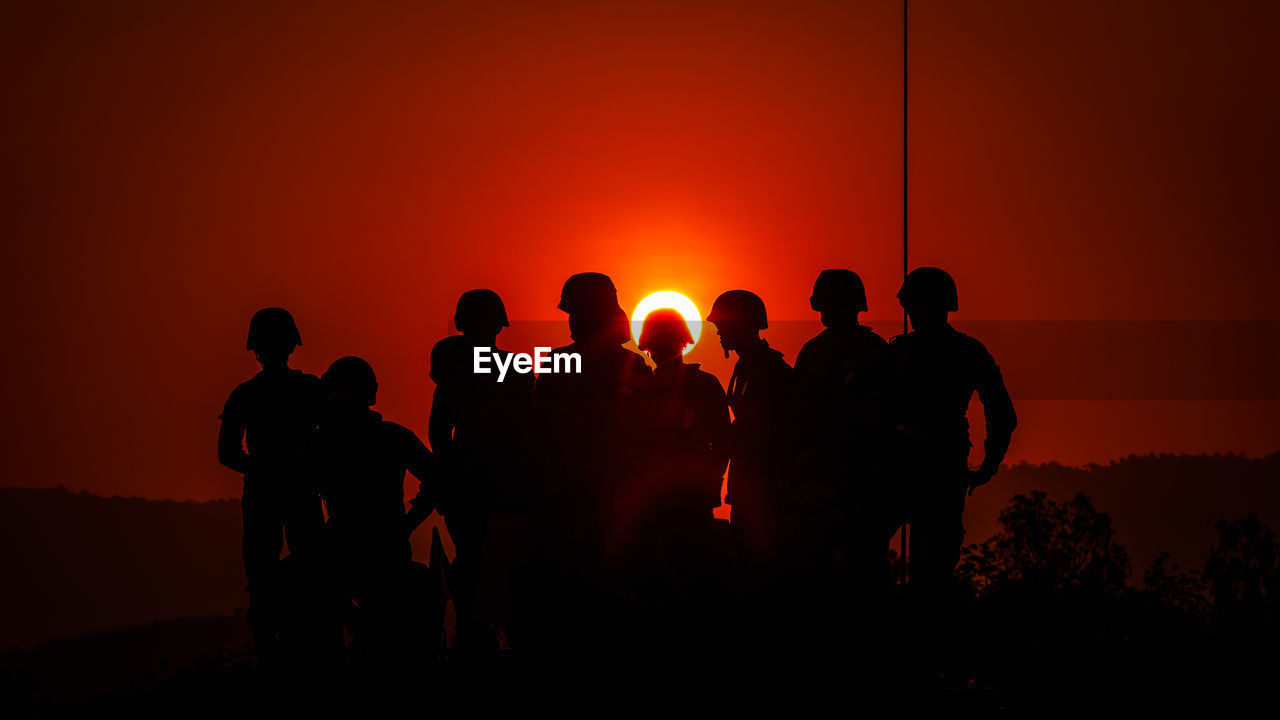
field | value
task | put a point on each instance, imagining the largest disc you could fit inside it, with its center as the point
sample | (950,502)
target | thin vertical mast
(904,154)
(902,537)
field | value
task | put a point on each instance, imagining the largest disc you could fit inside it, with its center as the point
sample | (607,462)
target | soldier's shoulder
(394,428)
(900,347)
(306,379)
(970,351)
(543,383)
(291,377)
(969,343)
(871,337)
(817,341)
(703,379)
(450,349)
(399,432)
(240,395)
(634,360)
(248,386)
(453,343)
(777,362)
(450,357)
(273,382)
(814,347)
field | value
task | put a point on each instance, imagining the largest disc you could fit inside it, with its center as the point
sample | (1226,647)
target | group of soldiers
(581,505)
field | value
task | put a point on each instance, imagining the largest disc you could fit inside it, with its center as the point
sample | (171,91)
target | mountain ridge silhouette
(81,563)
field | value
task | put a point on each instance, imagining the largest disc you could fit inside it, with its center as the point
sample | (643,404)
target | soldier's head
(273,336)
(591,301)
(665,335)
(480,314)
(349,386)
(839,296)
(928,294)
(739,317)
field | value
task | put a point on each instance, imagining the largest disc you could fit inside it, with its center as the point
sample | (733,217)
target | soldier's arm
(811,398)
(717,419)
(785,406)
(538,440)
(440,425)
(231,447)
(890,387)
(874,389)
(422,465)
(997,409)
(314,467)
(231,451)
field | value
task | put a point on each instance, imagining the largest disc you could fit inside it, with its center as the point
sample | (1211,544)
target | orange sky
(172,167)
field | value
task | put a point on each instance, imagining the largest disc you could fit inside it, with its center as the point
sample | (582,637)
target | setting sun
(667,299)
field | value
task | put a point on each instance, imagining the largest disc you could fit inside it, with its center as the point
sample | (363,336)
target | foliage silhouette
(1048,545)
(1171,586)
(1243,578)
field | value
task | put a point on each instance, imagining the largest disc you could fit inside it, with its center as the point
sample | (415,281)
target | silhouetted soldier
(841,374)
(585,425)
(762,444)
(686,429)
(265,427)
(478,428)
(839,370)
(936,369)
(360,462)
(680,568)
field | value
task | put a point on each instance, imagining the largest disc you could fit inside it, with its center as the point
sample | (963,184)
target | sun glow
(668,299)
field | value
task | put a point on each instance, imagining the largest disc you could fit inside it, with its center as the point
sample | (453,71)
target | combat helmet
(351,375)
(480,310)
(742,306)
(270,328)
(662,324)
(838,288)
(929,287)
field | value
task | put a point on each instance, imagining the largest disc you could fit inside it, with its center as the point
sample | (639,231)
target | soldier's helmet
(351,376)
(588,292)
(272,328)
(480,310)
(741,306)
(929,287)
(665,325)
(838,288)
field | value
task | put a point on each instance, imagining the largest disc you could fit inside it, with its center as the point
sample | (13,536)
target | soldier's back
(487,419)
(761,391)
(685,433)
(585,421)
(833,355)
(839,377)
(935,374)
(761,395)
(278,410)
(361,470)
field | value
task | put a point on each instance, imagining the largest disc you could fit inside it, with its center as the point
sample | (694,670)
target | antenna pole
(904,153)
(902,536)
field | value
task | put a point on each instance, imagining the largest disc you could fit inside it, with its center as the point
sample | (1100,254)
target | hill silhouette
(78,563)
(61,673)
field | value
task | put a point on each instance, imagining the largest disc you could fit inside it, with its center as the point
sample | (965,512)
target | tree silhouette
(1243,576)
(1171,586)
(1050,546)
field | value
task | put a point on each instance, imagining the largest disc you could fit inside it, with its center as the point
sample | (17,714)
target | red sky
(171,167)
